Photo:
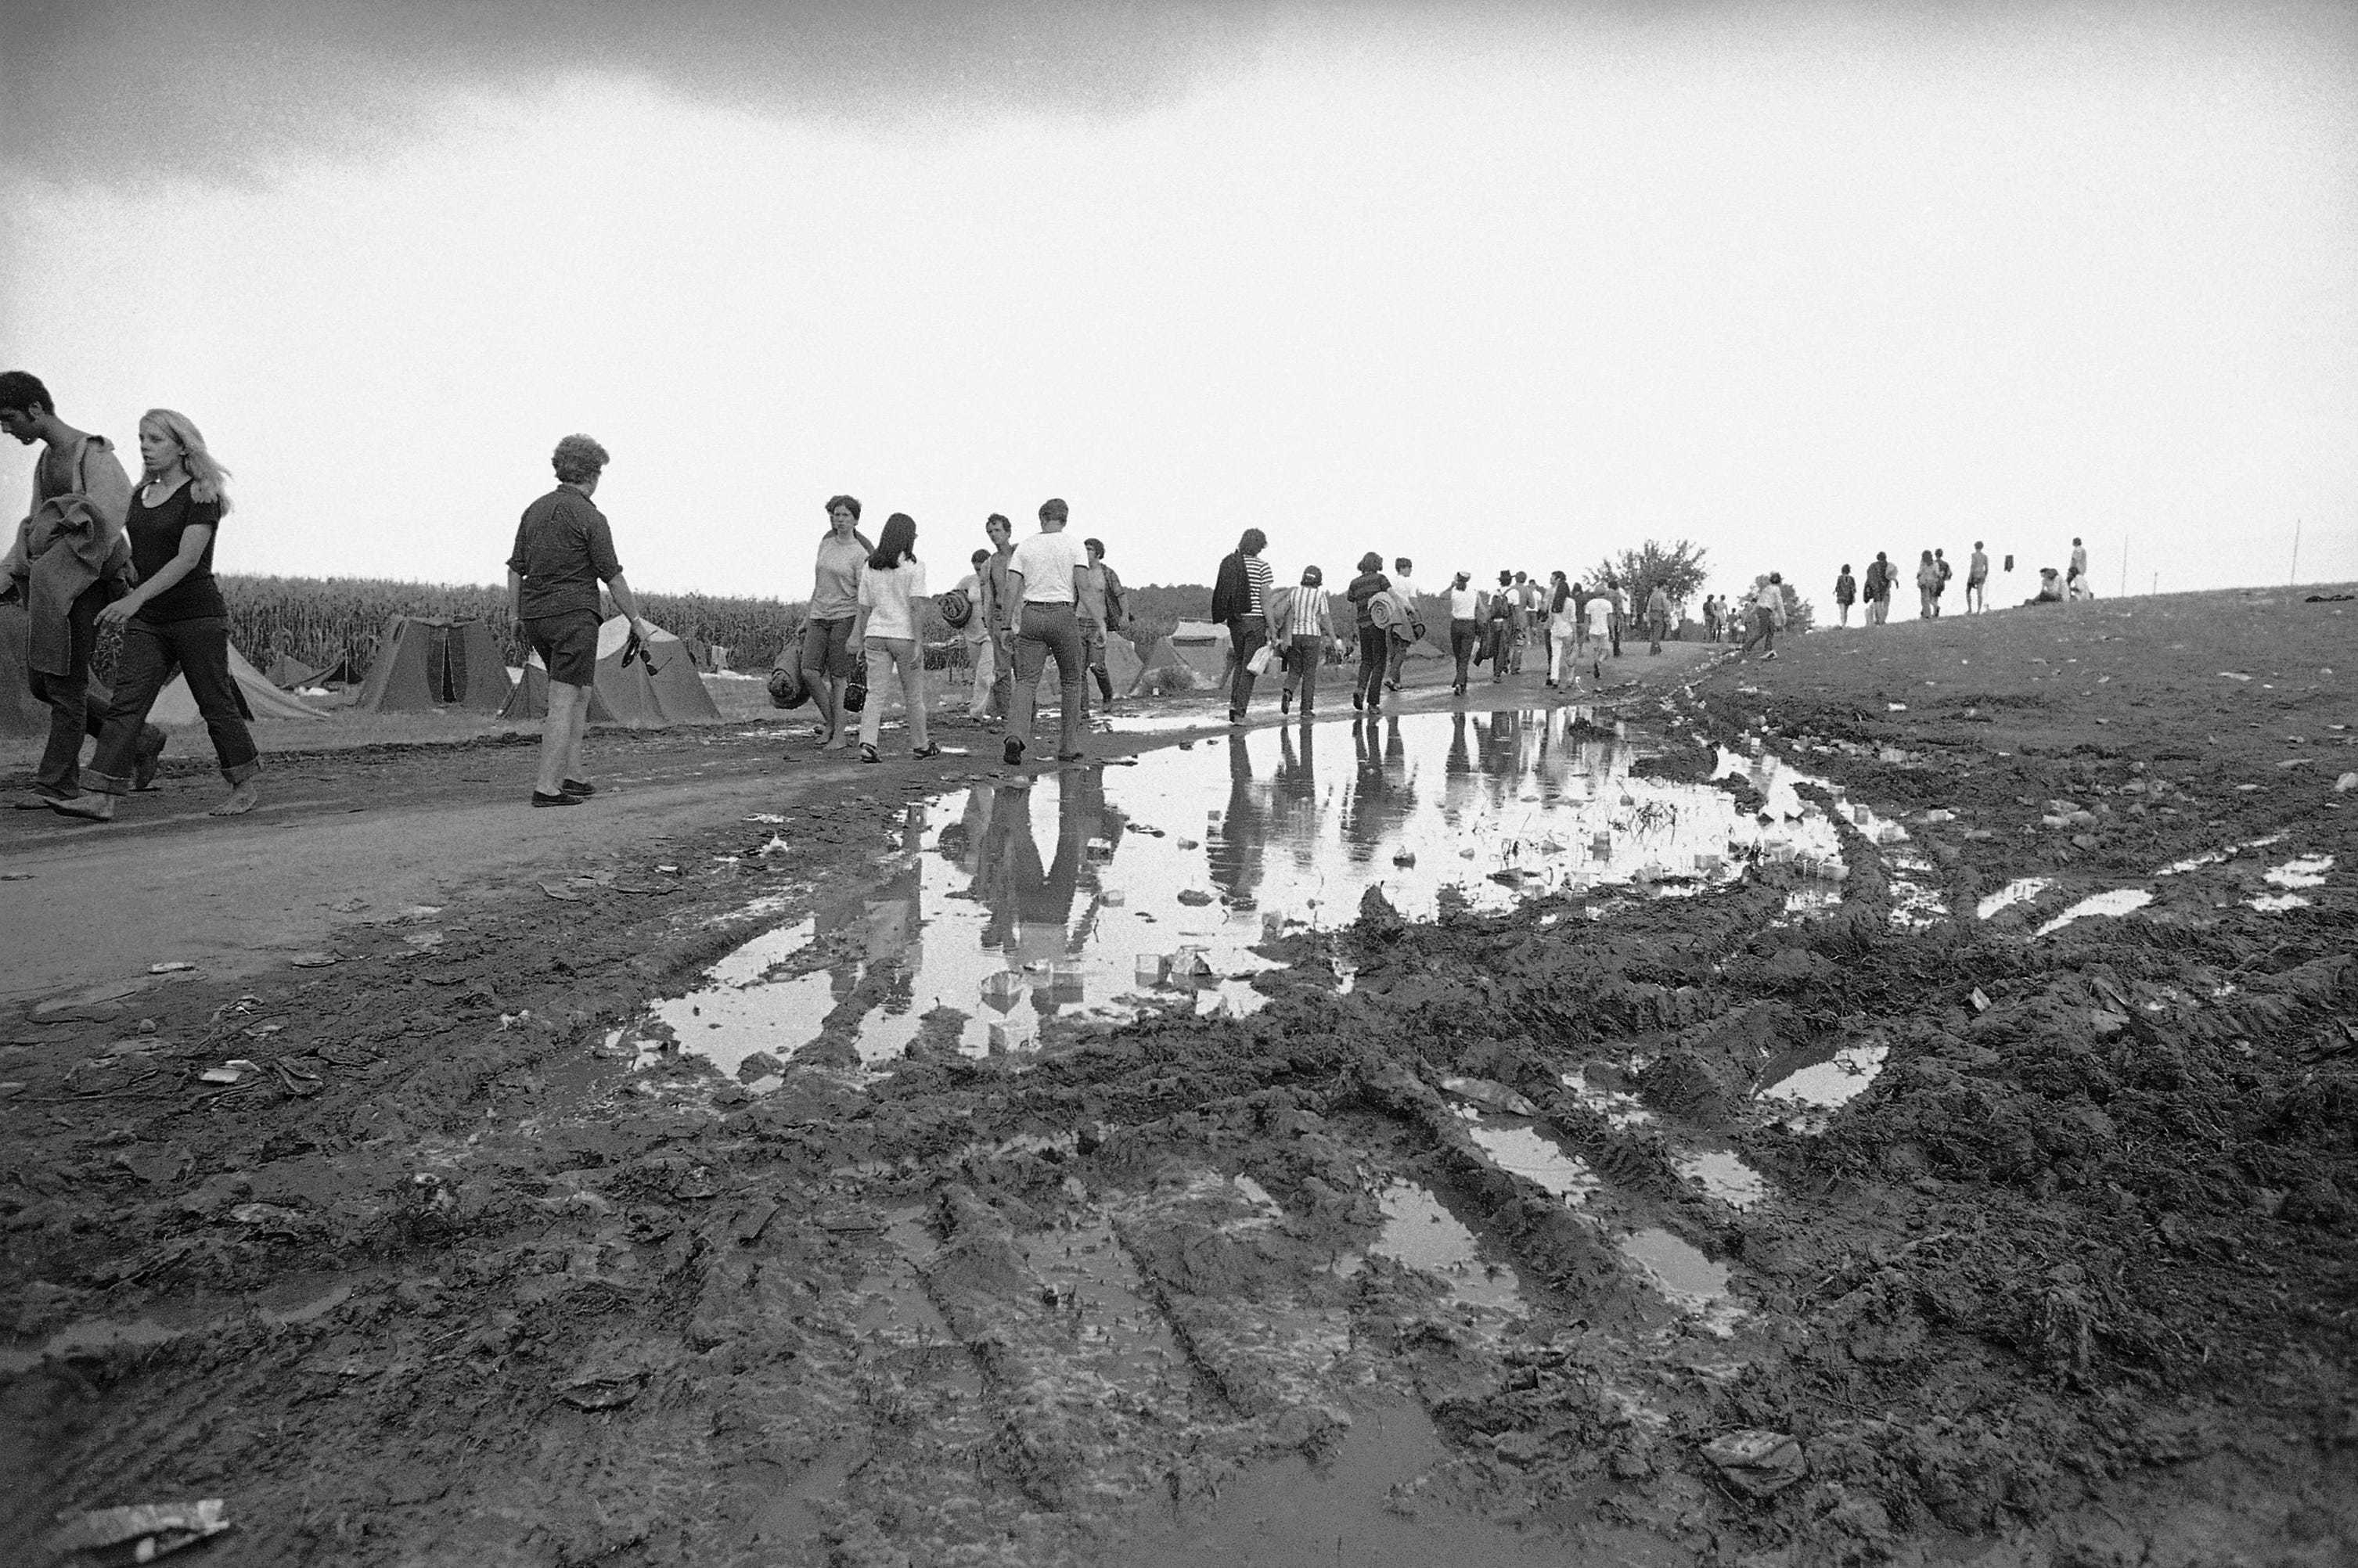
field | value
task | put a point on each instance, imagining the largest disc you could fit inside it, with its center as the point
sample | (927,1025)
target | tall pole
(2296,554)
(2124,580)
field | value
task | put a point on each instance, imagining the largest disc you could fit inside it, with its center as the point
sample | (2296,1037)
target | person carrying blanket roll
(69,559)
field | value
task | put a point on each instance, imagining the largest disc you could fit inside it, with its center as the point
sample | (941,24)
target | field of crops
(320,621)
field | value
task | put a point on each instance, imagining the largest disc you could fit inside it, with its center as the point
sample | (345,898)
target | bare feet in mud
(241,799)
(89,806)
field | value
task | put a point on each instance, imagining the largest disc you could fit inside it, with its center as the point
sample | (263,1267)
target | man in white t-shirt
(1599,612)
(1464,625)
(1404,586)
(1040,591)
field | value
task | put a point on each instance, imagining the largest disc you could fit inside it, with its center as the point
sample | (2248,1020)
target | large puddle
(1094,891)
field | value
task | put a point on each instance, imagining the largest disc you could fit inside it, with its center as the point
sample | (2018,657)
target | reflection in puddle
(1077,897)
(1679,1270)
(1724,1175)
(1418,1231)
(1617,1105)
(1519,1146)
(1817,1087)
(2278,903)
(2113,901)
(2303,872)
(2022,890)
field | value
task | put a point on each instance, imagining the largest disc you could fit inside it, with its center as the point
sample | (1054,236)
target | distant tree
(1799,616)
(1677,566)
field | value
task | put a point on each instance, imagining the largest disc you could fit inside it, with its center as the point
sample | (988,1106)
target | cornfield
(319,620)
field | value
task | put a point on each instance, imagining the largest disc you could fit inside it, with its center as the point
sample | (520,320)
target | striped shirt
(1309,611)
(1257,582)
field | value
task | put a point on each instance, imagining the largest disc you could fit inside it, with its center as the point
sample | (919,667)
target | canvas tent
(1202,647)
(286,672)
(177,704)
(427,661)
(660,688)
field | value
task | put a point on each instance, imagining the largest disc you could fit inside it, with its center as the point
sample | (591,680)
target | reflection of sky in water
(1013,904)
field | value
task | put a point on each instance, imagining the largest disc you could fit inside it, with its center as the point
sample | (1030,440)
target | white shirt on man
(1046,561)
(1600,616)
(1464,603)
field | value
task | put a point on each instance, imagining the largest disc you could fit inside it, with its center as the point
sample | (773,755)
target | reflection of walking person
(70,558)
(563,551)
(175,618)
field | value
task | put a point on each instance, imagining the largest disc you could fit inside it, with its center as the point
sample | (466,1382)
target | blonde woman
(174,619)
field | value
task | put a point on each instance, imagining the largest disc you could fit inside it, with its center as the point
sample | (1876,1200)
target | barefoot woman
(174,619)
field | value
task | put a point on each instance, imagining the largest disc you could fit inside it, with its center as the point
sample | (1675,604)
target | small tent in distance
(286,672)
(256,696)
(658,688)
(429,661)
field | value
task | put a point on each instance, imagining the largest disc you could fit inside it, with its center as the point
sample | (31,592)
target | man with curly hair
(563,551)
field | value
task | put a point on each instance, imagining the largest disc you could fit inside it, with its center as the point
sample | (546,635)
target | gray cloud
(99,91)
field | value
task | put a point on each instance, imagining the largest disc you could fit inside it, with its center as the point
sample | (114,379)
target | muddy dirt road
(1893,1102)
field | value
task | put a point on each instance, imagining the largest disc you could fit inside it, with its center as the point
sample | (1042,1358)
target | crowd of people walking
(95,555)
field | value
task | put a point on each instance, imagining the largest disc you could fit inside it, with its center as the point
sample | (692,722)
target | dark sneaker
(559,798)
(581,787)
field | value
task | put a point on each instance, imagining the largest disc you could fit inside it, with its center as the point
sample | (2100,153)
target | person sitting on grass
(564,549)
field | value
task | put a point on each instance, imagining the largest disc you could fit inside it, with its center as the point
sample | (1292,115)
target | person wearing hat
(1464,625)
(1307,613)
(1499,628)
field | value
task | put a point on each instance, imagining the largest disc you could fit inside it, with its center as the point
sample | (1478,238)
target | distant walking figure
(175,619)
(1880,575)
(1768,614)
(1564,628)
(1940,565)
(1927,588)
(1464,627)
(1977,581)
(1658,617)
(1043,582)
(1846,590)
(1374,640)
(2076,584)
(1307,617)
(1408,591)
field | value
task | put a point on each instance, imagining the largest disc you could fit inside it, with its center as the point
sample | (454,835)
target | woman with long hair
(891,585)
(174,619)
(827,660)
(1562,629)
(1927,588)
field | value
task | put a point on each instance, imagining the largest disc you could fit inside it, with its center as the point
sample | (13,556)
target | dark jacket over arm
(1231,595)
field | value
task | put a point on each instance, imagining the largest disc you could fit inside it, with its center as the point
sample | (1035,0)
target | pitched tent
(286,673)
(1122,667)
(1202,647)
(660,688)
(427,661)
(177,704)
(1164,657)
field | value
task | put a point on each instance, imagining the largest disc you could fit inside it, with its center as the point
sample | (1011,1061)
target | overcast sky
(1486,285)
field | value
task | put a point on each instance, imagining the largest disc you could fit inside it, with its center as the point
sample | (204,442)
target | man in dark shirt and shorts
(563,551)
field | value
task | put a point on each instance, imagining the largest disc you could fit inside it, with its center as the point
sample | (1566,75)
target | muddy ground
(1450,1221)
